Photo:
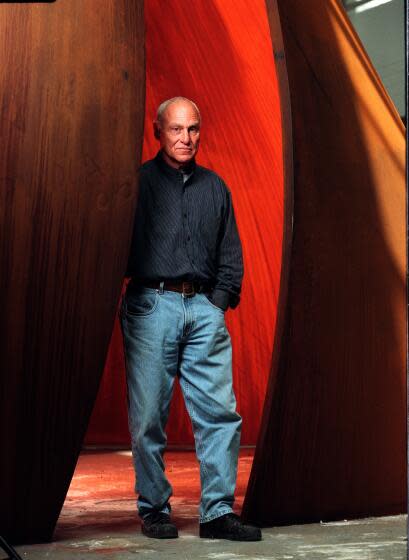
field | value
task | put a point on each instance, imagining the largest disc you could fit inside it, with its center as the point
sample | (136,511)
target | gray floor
(99,521)
(380,538)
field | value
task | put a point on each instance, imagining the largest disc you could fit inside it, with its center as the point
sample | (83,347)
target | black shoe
(229,527)
(158,525)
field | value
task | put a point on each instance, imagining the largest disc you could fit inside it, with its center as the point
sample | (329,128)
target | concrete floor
(99,521)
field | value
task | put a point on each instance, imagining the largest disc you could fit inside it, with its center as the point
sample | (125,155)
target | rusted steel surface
(332,441)
(72,107)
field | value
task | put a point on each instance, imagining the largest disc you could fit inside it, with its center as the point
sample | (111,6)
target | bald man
(186,270)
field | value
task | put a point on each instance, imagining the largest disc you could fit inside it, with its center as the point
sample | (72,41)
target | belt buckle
(188,289)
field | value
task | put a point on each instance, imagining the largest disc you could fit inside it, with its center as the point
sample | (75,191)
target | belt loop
(161,285)
(188,289)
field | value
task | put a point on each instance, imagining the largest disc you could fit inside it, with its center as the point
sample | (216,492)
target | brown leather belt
(188,289)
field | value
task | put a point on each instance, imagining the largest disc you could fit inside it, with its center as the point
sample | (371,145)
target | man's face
(179,133)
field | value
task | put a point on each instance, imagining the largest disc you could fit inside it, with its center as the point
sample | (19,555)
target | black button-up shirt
(185,230)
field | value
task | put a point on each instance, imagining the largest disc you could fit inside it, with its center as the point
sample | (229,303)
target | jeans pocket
(212,304)
(141,303)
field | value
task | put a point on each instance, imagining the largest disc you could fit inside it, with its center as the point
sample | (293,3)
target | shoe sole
(150,536)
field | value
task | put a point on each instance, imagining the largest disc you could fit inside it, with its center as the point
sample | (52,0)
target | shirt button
(188,237)
(185,215)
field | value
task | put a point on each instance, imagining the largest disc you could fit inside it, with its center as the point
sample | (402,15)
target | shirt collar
(171,171)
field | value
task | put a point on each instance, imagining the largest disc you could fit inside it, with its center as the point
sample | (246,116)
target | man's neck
(182,167)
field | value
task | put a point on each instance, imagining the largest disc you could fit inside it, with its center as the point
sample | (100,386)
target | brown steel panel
(71,124)
(332,442)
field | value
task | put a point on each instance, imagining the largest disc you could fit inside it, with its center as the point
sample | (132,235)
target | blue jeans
(166,334)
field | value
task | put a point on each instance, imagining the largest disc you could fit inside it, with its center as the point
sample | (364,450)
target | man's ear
(156,130)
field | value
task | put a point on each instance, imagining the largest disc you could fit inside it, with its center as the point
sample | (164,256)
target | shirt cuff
(221,299)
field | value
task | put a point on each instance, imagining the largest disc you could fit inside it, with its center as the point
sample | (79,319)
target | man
(186,269)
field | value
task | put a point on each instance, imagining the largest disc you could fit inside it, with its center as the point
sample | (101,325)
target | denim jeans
(166,334)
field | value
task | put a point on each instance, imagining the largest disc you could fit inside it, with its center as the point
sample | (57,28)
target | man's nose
(185,137)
